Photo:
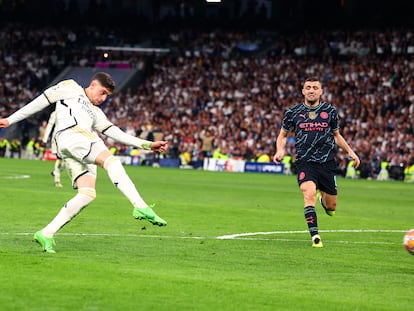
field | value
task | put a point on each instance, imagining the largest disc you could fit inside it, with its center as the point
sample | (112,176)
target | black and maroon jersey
(313,128)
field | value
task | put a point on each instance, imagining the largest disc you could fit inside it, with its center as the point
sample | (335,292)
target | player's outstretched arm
(36,105)
(119,135)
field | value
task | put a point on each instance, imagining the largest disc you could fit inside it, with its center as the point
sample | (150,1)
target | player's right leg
(308,189)
(121,180)
(328,190)
(147,213)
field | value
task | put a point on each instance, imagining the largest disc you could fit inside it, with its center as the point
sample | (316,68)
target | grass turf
(106,260)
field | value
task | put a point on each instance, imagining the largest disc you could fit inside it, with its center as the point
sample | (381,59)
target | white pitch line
(301,240)
(15,176)
(239,235)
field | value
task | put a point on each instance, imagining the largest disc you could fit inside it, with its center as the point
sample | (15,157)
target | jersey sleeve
(118,135)
(36,105)
(106,127)
(334,120)
(101,122)
(287,122)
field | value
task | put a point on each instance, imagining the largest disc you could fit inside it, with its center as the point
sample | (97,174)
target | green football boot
(148,214)
(46,243)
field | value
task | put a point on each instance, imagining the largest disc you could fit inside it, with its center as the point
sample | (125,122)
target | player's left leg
(84,180)
(328,202)
(84,197)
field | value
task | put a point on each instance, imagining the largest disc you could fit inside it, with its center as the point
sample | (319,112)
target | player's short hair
(312,79)
(105,80)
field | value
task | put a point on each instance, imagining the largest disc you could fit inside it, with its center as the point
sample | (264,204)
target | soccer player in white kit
(59,163)
(78,120)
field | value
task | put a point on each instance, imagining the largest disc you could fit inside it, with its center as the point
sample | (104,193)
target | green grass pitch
(233,242)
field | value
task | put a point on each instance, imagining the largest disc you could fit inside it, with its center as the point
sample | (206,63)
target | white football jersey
(73,108)
(74,111)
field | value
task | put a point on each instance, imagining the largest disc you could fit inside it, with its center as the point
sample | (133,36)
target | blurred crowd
(211,98)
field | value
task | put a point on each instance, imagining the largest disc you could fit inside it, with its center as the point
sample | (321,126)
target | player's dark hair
(312,79)
(105,80)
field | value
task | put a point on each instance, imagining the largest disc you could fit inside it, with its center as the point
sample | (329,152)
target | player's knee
(112,161)
(89,194)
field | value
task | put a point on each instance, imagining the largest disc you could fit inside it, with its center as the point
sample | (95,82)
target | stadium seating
(207,83)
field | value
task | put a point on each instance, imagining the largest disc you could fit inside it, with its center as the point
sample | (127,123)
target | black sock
(311,220)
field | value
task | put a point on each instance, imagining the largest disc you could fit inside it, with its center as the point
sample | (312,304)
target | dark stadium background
(275,14)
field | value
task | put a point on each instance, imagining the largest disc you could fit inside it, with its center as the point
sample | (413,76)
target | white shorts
(76,143)
(79,149)
(77,169)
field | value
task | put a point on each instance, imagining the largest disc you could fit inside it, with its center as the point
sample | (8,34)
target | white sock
(56,171)
(70,210)
(121,180)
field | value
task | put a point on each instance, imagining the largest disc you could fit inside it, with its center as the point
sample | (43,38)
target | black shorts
(322,174)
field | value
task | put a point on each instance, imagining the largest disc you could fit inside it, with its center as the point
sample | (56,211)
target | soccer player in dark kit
(316,127)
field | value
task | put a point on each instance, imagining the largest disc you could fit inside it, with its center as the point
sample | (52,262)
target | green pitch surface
(233,242)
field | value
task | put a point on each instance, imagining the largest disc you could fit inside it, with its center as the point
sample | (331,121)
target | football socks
(70,210)
(121,180)
(311,220)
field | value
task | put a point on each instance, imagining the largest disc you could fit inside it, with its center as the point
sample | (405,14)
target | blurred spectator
(4,145)
(15,149)
(207,143)
(409,171)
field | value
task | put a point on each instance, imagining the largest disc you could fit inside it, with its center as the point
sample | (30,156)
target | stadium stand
(209,83)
